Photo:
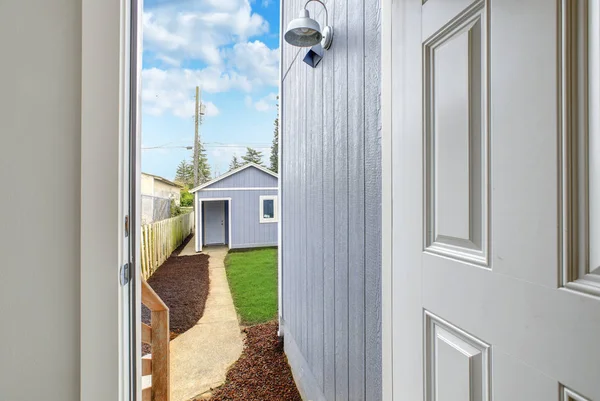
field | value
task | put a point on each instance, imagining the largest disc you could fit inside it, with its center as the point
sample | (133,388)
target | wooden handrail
(151,299)
(157,334)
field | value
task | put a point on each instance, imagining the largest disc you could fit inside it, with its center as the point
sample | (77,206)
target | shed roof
(232,172)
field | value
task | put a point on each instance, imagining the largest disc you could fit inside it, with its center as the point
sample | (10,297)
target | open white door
(494,198)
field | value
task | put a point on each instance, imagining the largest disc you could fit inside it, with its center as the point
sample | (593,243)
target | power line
(168,147)
(209,145)
(241,144)
(237,146)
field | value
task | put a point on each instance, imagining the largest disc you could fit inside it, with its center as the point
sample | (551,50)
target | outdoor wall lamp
(306,32)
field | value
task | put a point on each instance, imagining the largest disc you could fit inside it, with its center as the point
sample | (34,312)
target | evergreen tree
(275,146)
(185,174)
(235,163)
(203,166)
(252,156)
(185,177)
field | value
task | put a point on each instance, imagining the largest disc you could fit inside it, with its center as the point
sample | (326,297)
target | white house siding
(40,153)
(164,190)
(156,198)
(151,186)
(147,184)
(331,206)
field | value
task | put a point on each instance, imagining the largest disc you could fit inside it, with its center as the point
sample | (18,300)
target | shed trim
(232,172)
(261,206)
(200,226)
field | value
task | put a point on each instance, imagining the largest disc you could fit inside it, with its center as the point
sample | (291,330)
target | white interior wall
(40,124)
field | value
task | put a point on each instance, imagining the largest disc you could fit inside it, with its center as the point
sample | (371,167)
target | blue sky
(230,48)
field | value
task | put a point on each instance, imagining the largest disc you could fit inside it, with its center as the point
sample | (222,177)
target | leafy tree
(275,146)
(252,156)
(175,210)
(187,199)
(203,166)
(235,163)
(185,174)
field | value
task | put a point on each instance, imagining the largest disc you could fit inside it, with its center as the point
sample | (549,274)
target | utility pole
(196,138)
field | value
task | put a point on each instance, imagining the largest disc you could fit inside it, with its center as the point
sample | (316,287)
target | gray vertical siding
(246,229)
(331,206)
(250,177)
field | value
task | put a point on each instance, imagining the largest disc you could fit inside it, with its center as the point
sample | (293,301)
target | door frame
(200,221)
(204,230)
(386,201)
(400,287)
(107,166)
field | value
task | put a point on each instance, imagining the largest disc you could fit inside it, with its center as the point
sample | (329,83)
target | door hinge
(125,274)
(126,226)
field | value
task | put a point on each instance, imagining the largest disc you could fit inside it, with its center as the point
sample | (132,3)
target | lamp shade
(303,31)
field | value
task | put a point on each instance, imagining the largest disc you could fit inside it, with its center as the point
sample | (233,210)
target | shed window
(268,209)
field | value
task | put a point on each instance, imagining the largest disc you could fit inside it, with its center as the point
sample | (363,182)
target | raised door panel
(456,137)
(580,145)
(570,395)
(456,363)
(450,140)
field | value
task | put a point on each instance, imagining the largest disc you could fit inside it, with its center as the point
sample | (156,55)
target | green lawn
(252,277)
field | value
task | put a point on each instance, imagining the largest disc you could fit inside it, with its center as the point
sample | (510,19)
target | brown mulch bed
(182,283)
(262,373)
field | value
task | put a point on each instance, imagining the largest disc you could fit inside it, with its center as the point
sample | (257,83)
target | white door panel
(494,174)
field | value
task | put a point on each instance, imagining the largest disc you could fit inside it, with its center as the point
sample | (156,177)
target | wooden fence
(161,238)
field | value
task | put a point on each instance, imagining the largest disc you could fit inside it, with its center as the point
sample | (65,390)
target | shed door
(496,200)
(214,222)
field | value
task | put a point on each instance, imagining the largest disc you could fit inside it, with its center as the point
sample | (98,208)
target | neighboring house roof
(235,171)
(161,179)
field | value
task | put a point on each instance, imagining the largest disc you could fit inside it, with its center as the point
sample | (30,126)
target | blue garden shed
(238,209)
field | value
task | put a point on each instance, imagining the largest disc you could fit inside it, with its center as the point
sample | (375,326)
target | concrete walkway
(201,356)
(190,248)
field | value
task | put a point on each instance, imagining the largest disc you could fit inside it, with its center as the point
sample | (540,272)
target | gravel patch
(262,372)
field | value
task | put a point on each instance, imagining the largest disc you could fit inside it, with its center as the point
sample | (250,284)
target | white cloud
(266,103)
(211,109)
(197,30)
(256,61)
(169,60)
(173,91)
(261,105)
(205,31)
(221,157)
